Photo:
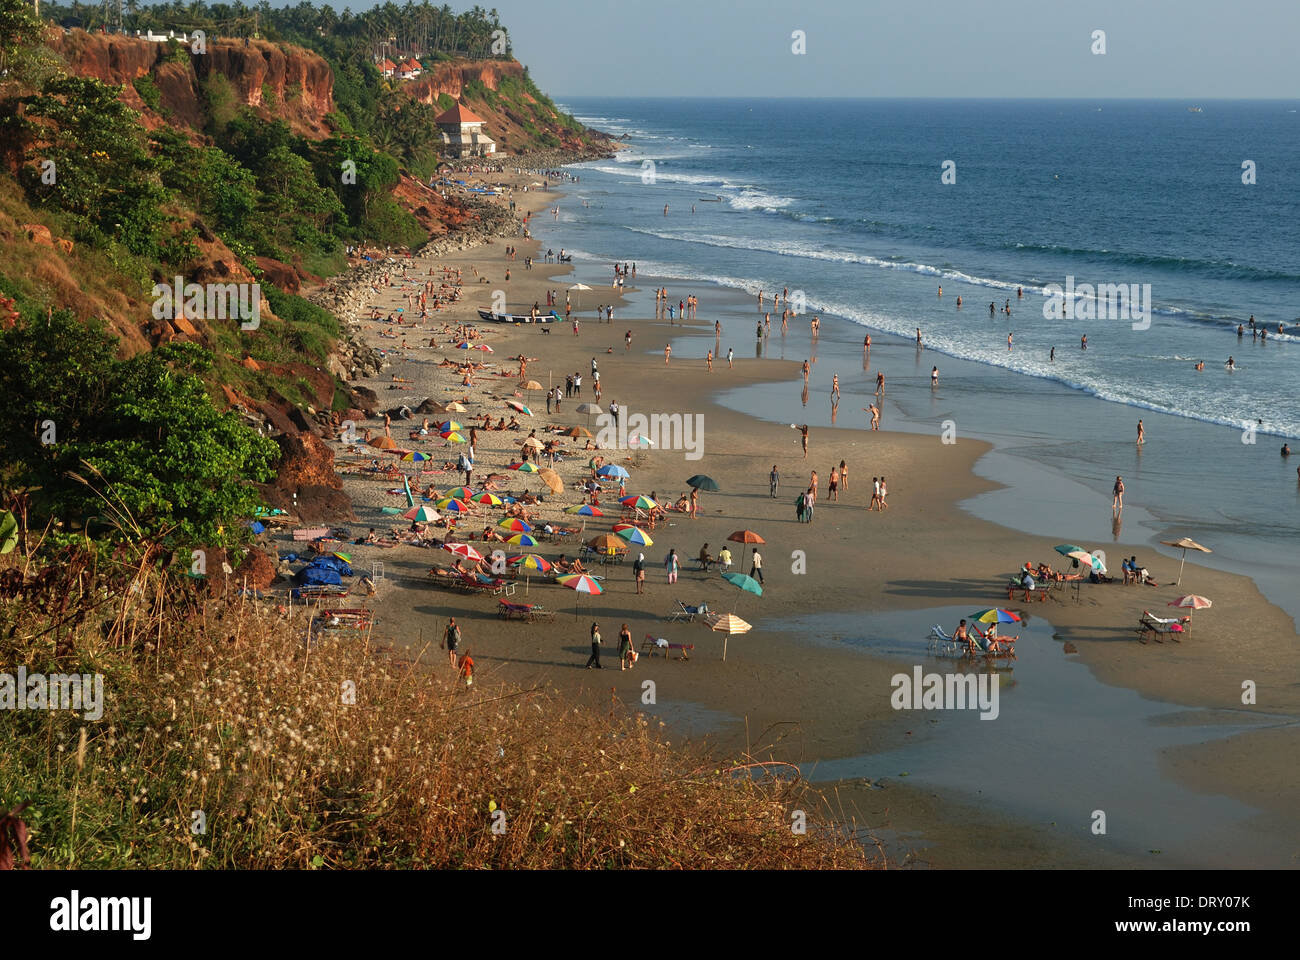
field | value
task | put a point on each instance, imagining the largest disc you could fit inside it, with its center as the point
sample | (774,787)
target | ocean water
(844,201)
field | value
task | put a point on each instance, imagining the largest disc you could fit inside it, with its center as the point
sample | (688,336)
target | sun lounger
(529,612)
(310,533)
(687,613)
(945,645)
(652,645)
(1149,625)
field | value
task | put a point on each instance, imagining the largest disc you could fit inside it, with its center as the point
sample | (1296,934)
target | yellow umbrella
(551,479)
(728,624)
(1185,544)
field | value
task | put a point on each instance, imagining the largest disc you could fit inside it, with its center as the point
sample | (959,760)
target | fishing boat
(488,315)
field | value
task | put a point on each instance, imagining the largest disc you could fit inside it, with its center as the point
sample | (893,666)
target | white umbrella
(580,287)
(1185,543)
(729,625)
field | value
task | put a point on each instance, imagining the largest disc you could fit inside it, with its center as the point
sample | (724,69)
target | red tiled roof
(459,114)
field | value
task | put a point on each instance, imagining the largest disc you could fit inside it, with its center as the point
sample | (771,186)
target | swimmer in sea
(1083,342)
(934,376)
(1231,364)
(1200,364)
(1052,356)
(959,301)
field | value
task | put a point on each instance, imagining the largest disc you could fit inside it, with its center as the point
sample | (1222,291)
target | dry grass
(223,709)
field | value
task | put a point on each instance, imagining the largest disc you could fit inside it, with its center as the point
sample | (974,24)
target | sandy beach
(783,692)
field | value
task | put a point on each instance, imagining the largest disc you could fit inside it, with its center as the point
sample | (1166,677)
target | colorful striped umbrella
(639,500)
(728,624)
(448,426)
(523,540)
(995,615)
(634,535)
(581,583)
(491,499)
(524,467)
(585,510)
(453,437)
(459,493)
(516,405)
(530,561)
(422,514)
(414,456)
(514,523)
(452,505)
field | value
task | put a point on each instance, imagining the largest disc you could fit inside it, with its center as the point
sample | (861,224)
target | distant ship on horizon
(1193,109)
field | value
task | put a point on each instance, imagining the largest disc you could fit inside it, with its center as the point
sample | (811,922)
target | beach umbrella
(516,405)
(523,540)
(995,615)
(452,505)
(1065,549)
(1184,544)
(634,535)
(449,426)
(484,347)
(580,287)
(384,443)
(744,582)
(459,493)
(532,442)
(455,407)
(530,385)
(581,583)
(551,479)
(729,625)
(454,437)
(1191,602)
(640,440)
(612,470)
(514,523)
(589,409)
(585,510)
(640,501)
(463,550)
(745,537)
(607,543)
(463,345)
(524,467)
(490,499)
(576,432)
(530,562)
(702,482)
(414,456)
(1087,559)
(422,514)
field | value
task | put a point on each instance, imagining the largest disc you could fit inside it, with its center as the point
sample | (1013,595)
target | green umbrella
(702,482)
(744,582)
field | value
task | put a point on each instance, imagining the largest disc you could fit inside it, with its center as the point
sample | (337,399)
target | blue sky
(1188,49)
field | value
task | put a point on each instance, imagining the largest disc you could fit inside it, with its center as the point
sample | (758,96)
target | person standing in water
(934,376)
(1142,434)
(835,388)
(1117,495)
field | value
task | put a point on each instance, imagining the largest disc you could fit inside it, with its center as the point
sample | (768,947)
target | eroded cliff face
(285,82)
(453,76)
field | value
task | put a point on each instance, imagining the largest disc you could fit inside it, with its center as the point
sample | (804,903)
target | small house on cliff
(462,133)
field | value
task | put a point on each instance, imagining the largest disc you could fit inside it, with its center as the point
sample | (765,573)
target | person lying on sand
(490,536)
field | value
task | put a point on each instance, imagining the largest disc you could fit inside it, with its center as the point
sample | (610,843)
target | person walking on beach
(594,659)
(627,341)
(875,415)
(577,384)
(773,481)
(466,670)
(671,565)
(880,384)
(833,491)
(806,368)
(625,648)
(550,396)
(1142,434)
(451,640)
(756,566)
(884,494)
(731,355)
(875,494)
(803,439)
(1117,495)
(709,361)
(844,476)
(668,353)
(638,571)
(835,388)
(812,482)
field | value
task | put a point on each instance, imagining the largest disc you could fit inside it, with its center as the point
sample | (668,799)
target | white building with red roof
(386,67)
(410,69)
(462,133)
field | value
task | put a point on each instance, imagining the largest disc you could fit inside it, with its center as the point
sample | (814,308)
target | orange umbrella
(384,443)
(745,536)
(551,479)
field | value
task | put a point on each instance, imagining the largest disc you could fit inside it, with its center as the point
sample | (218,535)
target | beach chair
(514,611)
(1149,625)
(507,589)
(684,612)
(652,645)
